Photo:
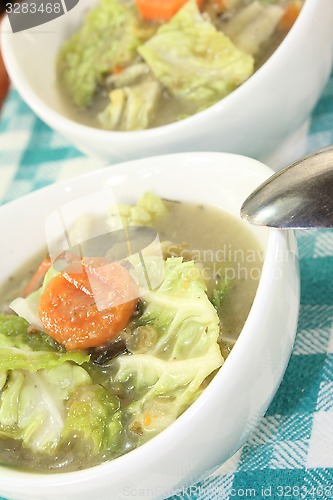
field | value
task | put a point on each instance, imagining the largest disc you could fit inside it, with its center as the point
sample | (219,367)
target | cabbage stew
(137,64)
(81,384)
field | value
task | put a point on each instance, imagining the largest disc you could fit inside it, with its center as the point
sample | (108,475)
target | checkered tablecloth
(290,453)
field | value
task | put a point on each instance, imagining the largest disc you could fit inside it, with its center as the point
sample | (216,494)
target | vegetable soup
(137,64)
(92,365)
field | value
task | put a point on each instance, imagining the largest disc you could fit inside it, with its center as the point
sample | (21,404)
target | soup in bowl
(145,327)
(157,63)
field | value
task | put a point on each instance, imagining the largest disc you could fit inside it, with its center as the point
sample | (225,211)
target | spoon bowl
(298,196)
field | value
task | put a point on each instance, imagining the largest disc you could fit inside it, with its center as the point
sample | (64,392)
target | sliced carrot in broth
(88,305)
(290,15)
(160,10)
(37,279)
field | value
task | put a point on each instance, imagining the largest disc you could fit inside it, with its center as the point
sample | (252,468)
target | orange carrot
(290,15)
(117,69)
(88,304)
(220,3)
(37,279)
(147,420)
(160,10)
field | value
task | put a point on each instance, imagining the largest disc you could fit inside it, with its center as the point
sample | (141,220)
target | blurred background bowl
(266,117)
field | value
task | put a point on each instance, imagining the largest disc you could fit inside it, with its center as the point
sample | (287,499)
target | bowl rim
(9,476)
(67,125)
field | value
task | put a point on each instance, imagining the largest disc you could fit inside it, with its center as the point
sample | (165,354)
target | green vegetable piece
(193,60)
(45,396)
(107,39)
(94,414)
(181,311)
(27,307)
(131,75)
(149,209)
(169,375)
(33,405)
(131,108)
(219,293)
(32,352)
(253,25)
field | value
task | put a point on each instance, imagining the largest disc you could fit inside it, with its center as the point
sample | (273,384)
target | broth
(224,248)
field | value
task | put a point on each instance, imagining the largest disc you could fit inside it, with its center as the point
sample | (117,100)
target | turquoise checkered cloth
(290,453)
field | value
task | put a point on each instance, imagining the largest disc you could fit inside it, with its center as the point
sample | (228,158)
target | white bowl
(220,420)
(271,108)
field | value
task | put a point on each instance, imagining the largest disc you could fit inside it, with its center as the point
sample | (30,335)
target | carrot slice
(117,69)
(160,10)
(37,279)
(290,15)
(88,304)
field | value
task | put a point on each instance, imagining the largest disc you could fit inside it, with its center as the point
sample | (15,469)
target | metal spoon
(298,196)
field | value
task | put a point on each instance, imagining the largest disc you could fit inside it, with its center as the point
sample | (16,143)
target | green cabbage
(131,107)
(33,405)
(108,38)
(32,352)
(193,60)
(253,25)
(93,414)
(149,209)
(179,350)
(27,307)
(219,293)
(46,397)
(127,109)
(131,75)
